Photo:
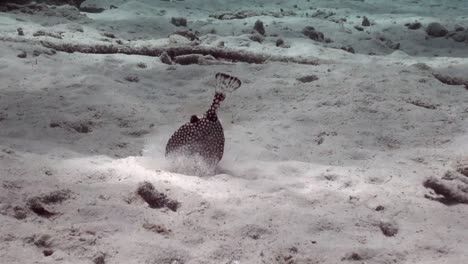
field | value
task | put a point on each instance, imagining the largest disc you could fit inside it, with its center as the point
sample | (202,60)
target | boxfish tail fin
(226,83)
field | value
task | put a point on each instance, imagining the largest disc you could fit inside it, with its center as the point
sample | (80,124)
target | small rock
(365,22)
(379,208)
(313,34)
(459,28)
(308,78)
(259,27)
(279,42)
(156,199)
(179,21)
(20,31)
(413,26)
(54,124)
(92,9)
(35,205)
(348,49)
(459,36)
(108,34)
(436,30)
(142,65)
(99,258)
(132,78)
(22,55)
(353,256)
(388,229)
(47,252)
(19,213)
(81,128)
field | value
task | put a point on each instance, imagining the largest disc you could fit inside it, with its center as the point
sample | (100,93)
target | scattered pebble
(22,55)
(100,258)
(348,49)
(354,256)
(142,65)
(279,42)
(156,199)
(365,22)
(413,26)
(259,27)
(81,128)
(308,78)
(19,213)
(35,205)
(435,29)
(108,34)
(313,34)
(459,36)
(388,229)
(179,21)
(47,252)
(132,78)
(92,9)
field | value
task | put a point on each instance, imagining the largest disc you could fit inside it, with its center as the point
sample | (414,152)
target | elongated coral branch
(218,53)
(173,51)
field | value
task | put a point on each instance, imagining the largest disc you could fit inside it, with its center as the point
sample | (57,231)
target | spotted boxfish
(204,136)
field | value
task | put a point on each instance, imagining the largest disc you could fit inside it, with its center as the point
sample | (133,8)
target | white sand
(306,164)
